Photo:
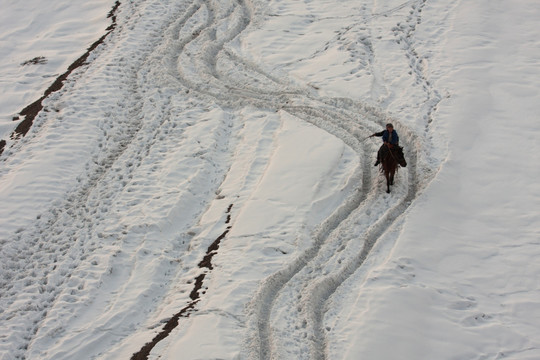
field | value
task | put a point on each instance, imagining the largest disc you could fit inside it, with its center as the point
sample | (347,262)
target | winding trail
(189,55)
(200,61)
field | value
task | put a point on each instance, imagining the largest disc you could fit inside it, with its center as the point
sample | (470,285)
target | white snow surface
(207,176)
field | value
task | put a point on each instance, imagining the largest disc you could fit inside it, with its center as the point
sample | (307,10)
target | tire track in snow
(202,63)
(320,289)
(299,281)
(313,297)
(197,72)
(197,61)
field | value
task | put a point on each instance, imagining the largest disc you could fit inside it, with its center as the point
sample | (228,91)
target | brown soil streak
(206,262)
(31,111)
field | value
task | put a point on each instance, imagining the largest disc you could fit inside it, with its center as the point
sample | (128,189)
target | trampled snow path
(86,241)
(213,72)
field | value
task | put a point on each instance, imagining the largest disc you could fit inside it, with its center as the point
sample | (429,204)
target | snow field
(127,202)
(210,165)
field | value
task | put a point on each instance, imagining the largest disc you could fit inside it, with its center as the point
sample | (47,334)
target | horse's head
(400,157)
(402,162)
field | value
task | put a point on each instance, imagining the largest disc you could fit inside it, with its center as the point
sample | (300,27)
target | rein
(392,154)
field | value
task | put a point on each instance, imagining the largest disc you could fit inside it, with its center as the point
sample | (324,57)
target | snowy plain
(202,187)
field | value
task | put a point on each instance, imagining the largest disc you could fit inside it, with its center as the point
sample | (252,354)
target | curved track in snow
(188,53)
(205,66)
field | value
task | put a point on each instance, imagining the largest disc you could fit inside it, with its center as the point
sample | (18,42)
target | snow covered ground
(202,186)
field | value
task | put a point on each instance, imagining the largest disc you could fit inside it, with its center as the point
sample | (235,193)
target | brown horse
(391,157)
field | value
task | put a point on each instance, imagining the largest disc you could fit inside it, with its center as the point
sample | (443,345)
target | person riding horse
(390,139)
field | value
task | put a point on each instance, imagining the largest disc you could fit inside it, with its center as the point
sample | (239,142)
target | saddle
(396,151)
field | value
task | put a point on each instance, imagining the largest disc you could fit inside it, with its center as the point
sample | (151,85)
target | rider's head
(389,127)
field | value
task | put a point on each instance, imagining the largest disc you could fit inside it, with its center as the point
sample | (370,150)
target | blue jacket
(385,135)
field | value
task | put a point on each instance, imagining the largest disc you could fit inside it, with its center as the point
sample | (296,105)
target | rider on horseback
(390,139)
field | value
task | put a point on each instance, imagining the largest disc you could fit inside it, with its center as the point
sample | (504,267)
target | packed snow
(202,186)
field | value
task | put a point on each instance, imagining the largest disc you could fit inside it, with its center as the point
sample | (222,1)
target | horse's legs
(389,167)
